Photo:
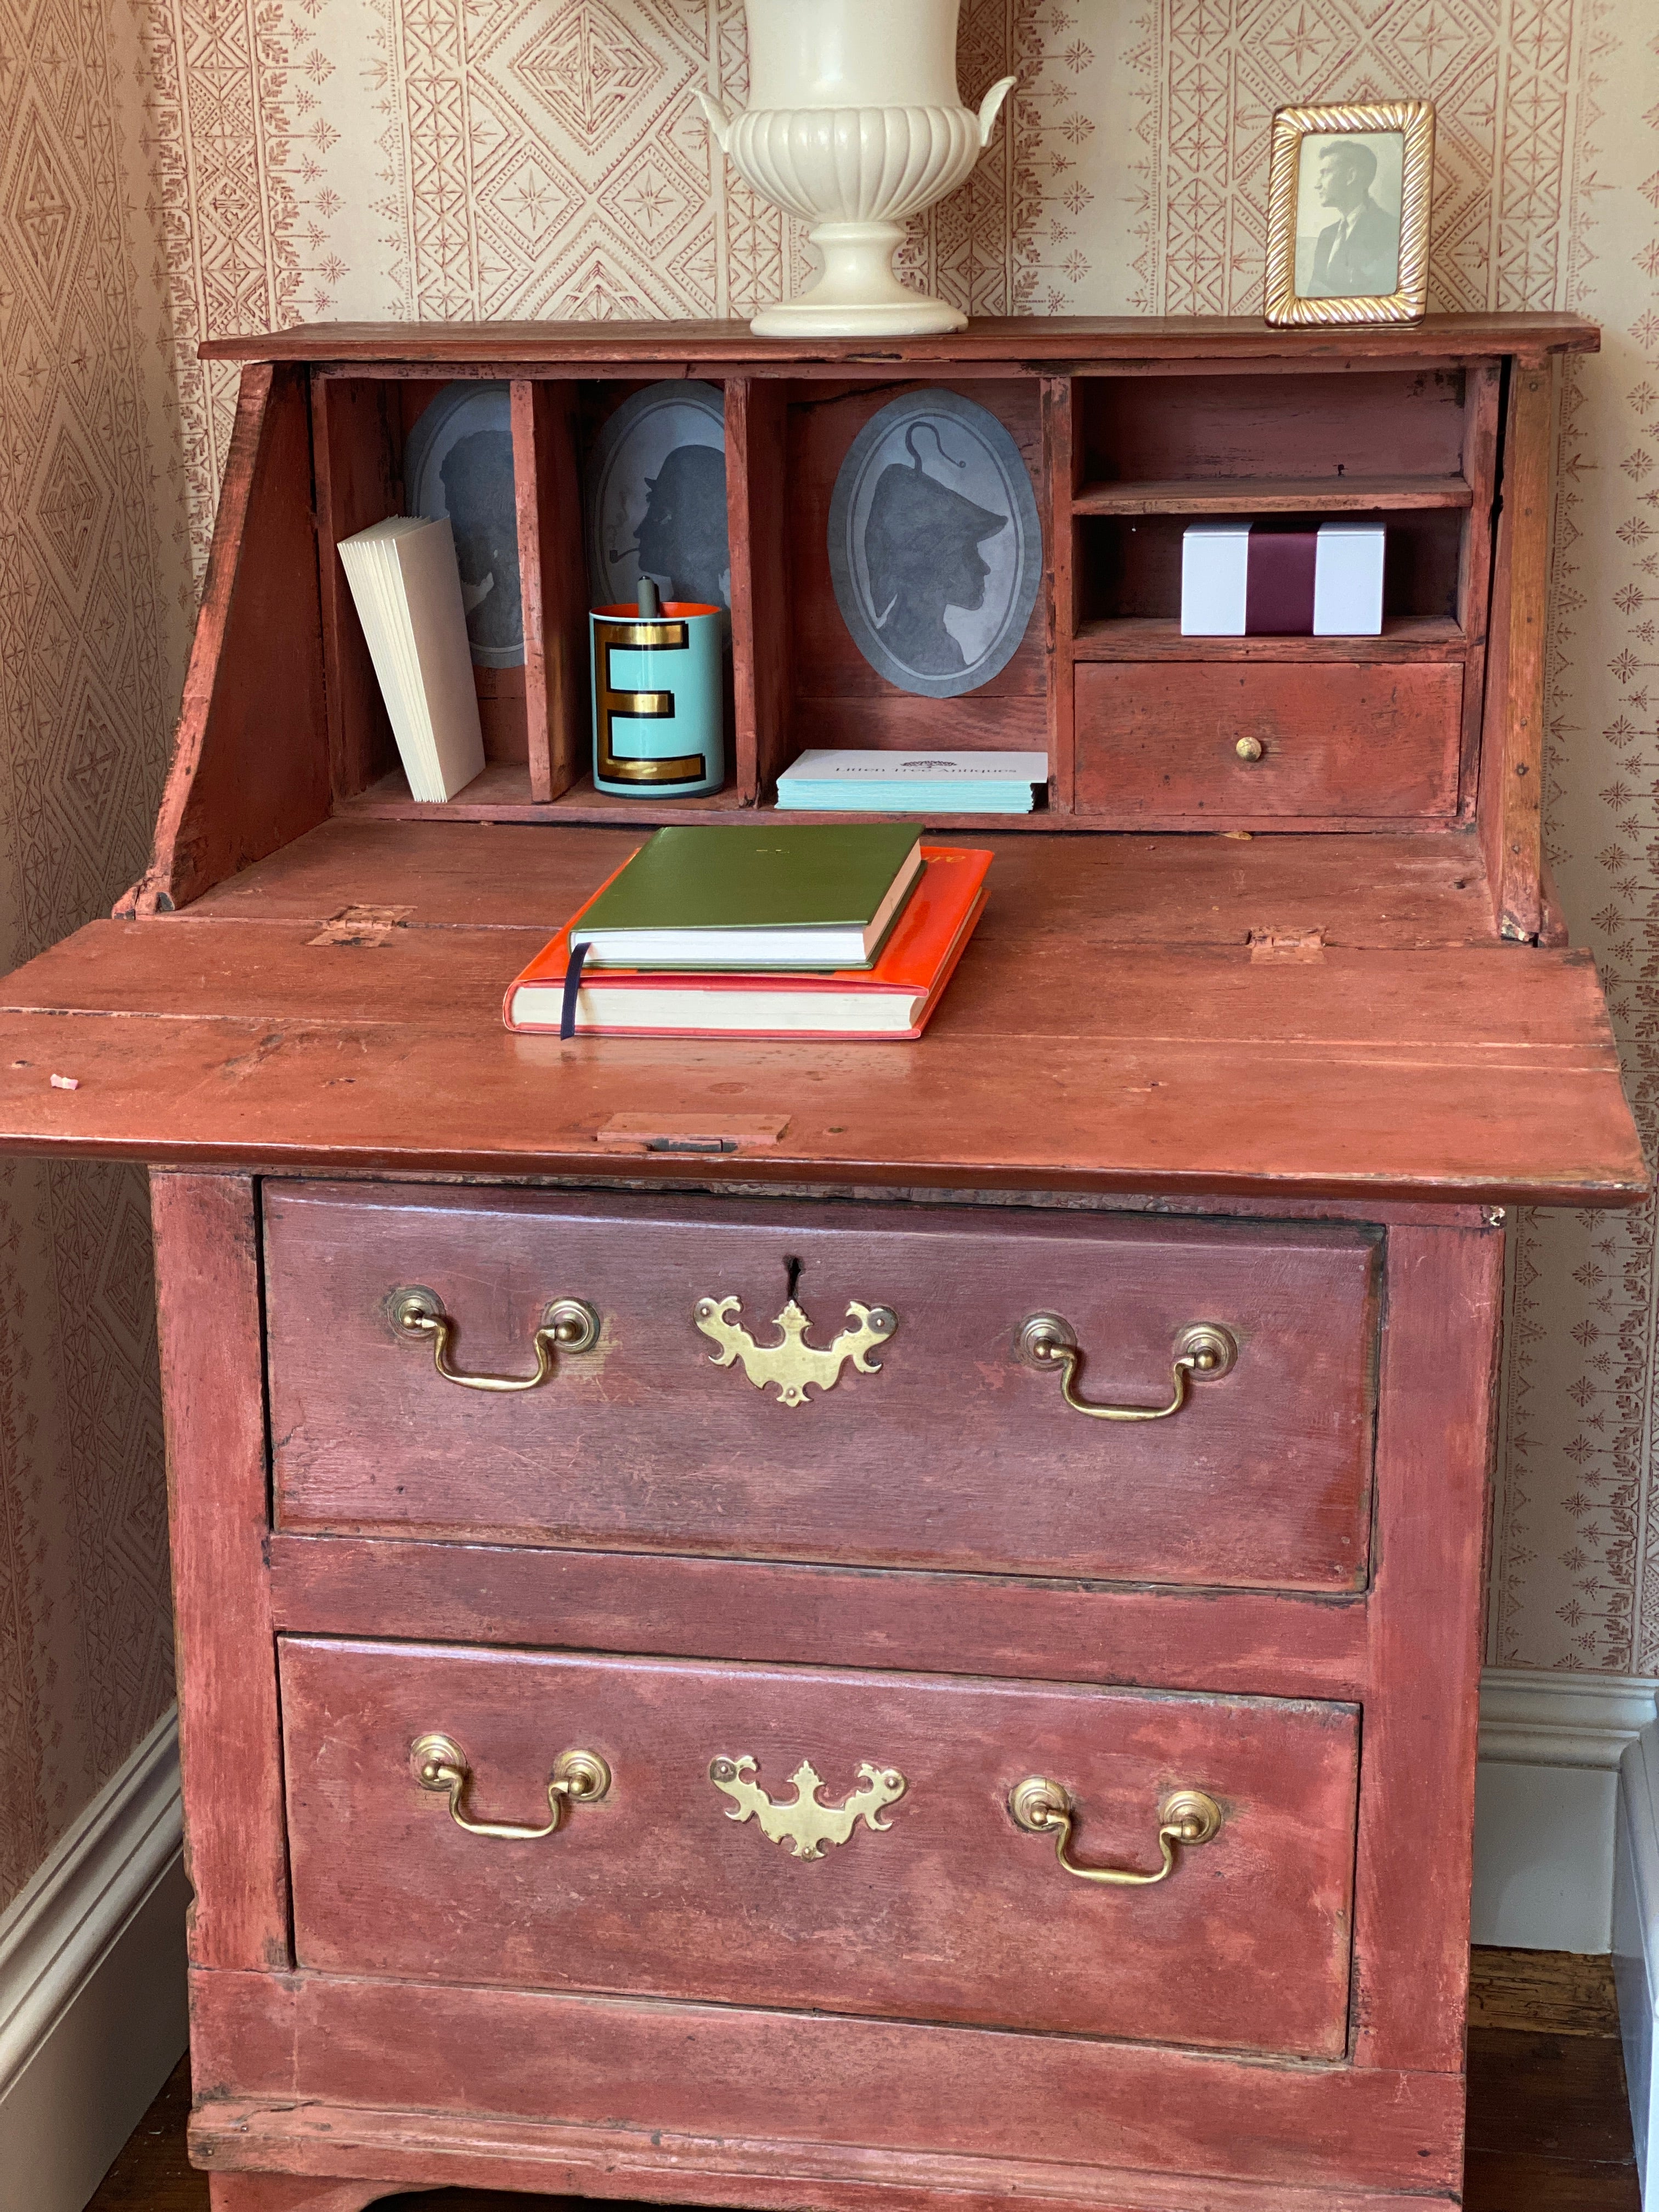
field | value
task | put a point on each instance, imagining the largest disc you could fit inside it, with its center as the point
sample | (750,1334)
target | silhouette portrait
(457,462)
(935,550)
(655,485)
(922,547)
(477,481)
(682,543)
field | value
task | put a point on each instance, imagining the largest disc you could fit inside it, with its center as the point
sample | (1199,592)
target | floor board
(1549,2127)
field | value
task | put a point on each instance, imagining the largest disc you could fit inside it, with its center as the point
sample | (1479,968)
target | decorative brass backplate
(805,1825)
(791,1363)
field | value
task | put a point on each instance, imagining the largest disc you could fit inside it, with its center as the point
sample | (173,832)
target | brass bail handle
(568,1325)
(578,1777)
(1203,1352)
(1186,1818)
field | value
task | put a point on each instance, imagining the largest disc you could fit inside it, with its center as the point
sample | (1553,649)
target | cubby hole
(830,695)
(1129,584)
(535,718)
(1356,435)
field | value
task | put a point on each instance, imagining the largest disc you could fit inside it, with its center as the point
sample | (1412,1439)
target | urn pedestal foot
(857,294)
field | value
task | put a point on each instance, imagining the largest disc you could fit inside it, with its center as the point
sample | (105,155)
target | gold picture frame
(1412,120)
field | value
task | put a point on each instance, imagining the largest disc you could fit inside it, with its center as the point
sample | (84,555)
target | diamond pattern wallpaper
(172,169)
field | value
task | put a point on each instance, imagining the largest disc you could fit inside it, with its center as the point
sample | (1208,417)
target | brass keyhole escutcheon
(1249,749)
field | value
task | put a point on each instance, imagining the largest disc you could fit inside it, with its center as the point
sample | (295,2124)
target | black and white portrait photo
(656,497)
(935,548)
(458,462)
(1348,227)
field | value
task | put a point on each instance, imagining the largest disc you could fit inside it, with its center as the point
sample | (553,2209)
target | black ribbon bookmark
(573,983)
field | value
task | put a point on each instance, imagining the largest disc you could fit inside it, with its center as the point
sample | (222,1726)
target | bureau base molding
(413,2149)
(1545,1788)
(803,2082)
(92,1985)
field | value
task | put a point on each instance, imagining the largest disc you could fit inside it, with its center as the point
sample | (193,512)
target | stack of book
(760,931)
(915,783)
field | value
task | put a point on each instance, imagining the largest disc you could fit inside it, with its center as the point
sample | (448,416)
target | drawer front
(950,1451)
(931,1903)
(1378,739)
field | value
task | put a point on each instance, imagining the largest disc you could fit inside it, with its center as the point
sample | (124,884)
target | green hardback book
(770,896)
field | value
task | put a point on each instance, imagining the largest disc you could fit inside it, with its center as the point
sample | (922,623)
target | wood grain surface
(1466,1074)
(769,2094)
(952,1912)
(1353,738)
(208,1315)
(956,1452)
(1131,339)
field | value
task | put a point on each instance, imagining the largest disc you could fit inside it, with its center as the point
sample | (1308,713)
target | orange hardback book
(891,1001)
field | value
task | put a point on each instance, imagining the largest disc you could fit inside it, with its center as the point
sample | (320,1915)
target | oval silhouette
(935,548)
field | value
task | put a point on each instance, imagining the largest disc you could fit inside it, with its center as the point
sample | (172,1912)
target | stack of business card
(915,783)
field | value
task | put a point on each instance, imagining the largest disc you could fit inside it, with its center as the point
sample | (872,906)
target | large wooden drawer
(955,1453)
(1378,740)
(945,1909)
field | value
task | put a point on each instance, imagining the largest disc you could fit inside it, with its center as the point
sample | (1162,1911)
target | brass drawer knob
(1186,1818)
(568,1325)
(1249,749)
(578,1777)
(1203,1352)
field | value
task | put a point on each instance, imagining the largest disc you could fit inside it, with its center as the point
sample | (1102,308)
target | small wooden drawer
(1159,741)
(949,1450)
(926,1900)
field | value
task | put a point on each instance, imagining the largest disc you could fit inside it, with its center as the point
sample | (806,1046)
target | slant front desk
(717,1775)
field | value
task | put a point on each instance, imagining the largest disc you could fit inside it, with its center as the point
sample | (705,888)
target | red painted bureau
(801,1625)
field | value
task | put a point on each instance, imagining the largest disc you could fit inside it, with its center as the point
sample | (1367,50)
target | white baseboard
(1636,1940)
(92,1985)
(1545,1801)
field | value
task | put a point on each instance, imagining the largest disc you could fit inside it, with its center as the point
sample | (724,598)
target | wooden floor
(1549,2129)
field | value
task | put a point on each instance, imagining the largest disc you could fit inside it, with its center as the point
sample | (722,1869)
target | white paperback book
(406,582)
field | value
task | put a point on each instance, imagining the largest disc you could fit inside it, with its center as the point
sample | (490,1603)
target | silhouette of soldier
(1357,256)
(921,550)
(477,481)
(682,541)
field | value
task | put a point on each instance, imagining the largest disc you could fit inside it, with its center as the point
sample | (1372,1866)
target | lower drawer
(1376,739)
(717,1866)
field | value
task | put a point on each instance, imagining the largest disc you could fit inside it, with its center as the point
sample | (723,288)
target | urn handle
(719,123)
(989,108)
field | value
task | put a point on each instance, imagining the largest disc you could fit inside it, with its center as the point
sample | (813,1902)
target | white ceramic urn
(853,123)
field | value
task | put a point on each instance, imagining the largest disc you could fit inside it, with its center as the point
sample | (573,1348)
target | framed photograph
(656,497)
(935,548)
(459,463)
(1348,213)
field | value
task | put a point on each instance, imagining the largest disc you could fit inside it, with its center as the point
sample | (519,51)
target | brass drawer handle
(1202,1353)
(578,1777)
(1187,1817)
(568,1325)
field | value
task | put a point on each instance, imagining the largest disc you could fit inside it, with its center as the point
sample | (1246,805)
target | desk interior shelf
(1128,430)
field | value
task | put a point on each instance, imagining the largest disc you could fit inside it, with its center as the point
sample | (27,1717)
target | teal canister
(659,698)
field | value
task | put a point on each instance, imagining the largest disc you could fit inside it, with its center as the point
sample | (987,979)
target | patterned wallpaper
(91,619)
(173,168)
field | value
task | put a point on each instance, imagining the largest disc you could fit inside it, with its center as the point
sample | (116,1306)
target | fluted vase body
(854,124)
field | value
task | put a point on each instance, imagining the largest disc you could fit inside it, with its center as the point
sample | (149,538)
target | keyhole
(792,1267)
